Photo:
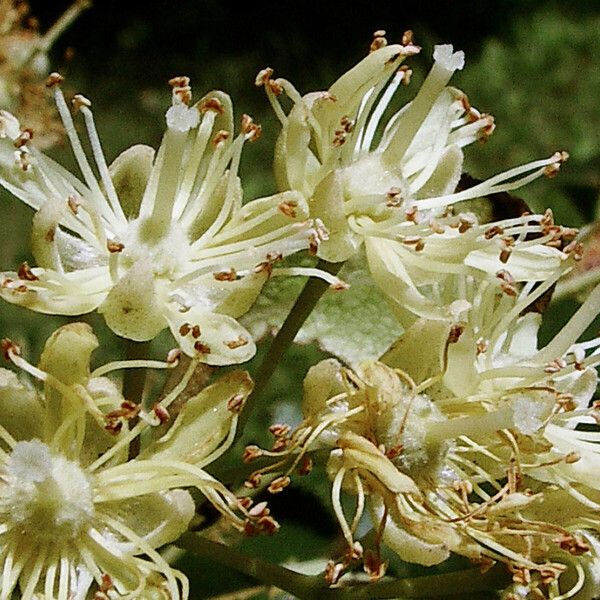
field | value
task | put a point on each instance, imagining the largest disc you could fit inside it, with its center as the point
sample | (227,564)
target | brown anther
(466,222)
(481,346)
(21,289)
(184,329)
(493,231)
(414,240)
(393,197)
(275,87)
(553,169)
(374,567)
(410,214)
(24,137)
(305,466)
(79,101)
(379,40)
(100,596)
(354,552)
(251,453)
(179,81)
(201,348)
(572,457)
(161,413)
(230,275)
(128,410)
(236,403)
(106,583)
(339,286)
(237,343)
(288,208)
(406,74)
(9,347)
(245,502)
(407,38)
(278,485)
(573,544)
(114,247)
(313,245)
(250,129)
(73,203)
(333,571)
(263,77)
(280,444)
(253,481)
(436,227)
(555,366)
(267,265)
(279,430)
(566,402)
(22,160)
(26,273)
(114,426)
(220,137)
(456,330)
(196,331)
(54,79)
(50,234)
(575,250)
(173,356)
(505,255)
(212,105)
(394,451)
(268,525)
(486,131)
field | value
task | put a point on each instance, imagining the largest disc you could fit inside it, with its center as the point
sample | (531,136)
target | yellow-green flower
(75,514)
(155,241)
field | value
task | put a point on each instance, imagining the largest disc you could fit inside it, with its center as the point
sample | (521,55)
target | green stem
(309,587)
(134,381)
(304,305)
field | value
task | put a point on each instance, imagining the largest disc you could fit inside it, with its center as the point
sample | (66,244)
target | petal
(132,308)
(323,381)
(53,293)
(22,414)
(222,340)
(204,421)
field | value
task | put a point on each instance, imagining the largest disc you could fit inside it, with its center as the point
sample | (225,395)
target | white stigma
(45,495)
(182,118)
(445,56)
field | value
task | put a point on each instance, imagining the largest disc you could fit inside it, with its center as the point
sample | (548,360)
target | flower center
(166,252)
(45,495)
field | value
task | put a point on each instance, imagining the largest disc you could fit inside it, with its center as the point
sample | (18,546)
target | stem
(309,587)
(304,305)
(134,381)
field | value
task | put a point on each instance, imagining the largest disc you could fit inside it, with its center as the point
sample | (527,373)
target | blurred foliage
(533,65)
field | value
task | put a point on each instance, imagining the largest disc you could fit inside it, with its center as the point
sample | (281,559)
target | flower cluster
(463,438)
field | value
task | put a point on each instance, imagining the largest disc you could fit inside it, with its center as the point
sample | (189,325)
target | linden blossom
(75,514)
(148,243)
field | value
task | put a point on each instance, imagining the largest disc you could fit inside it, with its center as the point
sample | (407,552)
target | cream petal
(222,340)
(22,413)
(132,308)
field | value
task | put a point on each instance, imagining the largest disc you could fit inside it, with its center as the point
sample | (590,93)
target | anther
(220,137)
(236,403)
(161,413)
(278,485)
(196,331)
(26,273)
(79,101)
(24,137)
(553,169)
(73,203)
(212,105)
(263,77)
(9,348)
(54,79)
(288,208)
(225,275)
(237,343)
(185,329)
(201,348)
(114,247)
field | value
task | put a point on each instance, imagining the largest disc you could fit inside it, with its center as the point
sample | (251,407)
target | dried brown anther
(26,273)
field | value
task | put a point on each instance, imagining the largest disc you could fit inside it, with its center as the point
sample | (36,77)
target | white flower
(155,242)
(75,514)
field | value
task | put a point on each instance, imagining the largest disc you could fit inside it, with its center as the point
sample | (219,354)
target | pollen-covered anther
(173,356)
(106,584)
(555,366)
(114,247)
(245,502)
(263,77)
(26,273)
(54,79)
(506,245)
(251,453)
(24,138)
(220,137)
(73,203)
(236,403)
(79,101)
(573,544)
(379,40)
(9,348)
(268,525)
(275,87)
(212,105)
(566,402)
(288,208)
(184,329)
(553,169)
(161,414)
(575,250)
(201,348)
(507,284)
(414,240)
(278,485)
(250,129)
(406,74)
(239,342)
(196,331)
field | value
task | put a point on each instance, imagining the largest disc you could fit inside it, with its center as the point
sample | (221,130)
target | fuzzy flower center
(45,495)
